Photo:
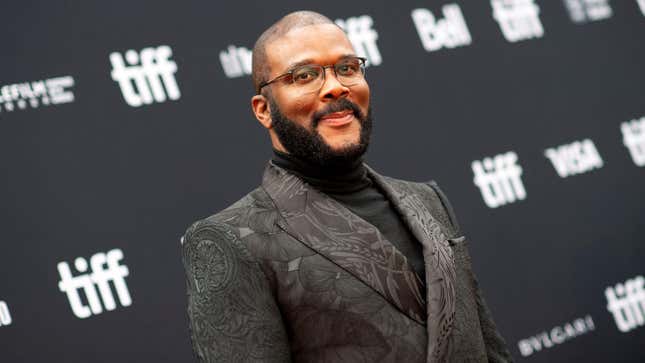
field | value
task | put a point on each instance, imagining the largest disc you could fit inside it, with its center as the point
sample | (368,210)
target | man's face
(336,115)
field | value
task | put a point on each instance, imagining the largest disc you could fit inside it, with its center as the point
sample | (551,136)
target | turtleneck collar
(345,179)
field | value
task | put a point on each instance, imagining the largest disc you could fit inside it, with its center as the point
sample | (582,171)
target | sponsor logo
(51,91)
(634,139)
(575,158)
(363,37)
(148,77)
(499,179)
(582,11)
(5,316)
(449,32)
(236,61)
(626,302)
(641,5)
(555,336)
(518,19)
(88,282)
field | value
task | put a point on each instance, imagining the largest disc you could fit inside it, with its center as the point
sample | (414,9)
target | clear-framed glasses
(309,78)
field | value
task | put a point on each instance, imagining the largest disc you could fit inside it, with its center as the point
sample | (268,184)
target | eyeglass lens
(311,77)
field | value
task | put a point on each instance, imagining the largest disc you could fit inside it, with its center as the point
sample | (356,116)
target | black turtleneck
(351,186)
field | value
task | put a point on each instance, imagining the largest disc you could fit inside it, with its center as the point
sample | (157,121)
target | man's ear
(262,110)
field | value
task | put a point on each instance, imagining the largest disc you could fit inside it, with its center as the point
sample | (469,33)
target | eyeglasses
(309,78)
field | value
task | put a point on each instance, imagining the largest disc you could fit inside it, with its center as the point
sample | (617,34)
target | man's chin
(345,152)
(342,146)
(339,141)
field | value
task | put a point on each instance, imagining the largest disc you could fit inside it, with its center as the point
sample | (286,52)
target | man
(328,261)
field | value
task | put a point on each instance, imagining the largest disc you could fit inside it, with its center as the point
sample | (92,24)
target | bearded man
(328,261)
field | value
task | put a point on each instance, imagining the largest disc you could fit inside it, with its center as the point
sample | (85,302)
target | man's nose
(332,88)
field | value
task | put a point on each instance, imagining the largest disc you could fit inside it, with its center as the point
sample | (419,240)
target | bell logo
(88,282)
(449,32)
(143,80)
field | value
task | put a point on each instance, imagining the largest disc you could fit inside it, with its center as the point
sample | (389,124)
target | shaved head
(261,68)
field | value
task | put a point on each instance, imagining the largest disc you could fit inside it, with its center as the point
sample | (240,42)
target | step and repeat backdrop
(123,122)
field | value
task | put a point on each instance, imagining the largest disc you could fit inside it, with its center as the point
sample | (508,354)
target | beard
(310,147)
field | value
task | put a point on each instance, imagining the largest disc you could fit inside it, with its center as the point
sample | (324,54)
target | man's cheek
(301,108)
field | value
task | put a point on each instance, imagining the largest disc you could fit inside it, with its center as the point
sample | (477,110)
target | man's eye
(305,76)
(347,69)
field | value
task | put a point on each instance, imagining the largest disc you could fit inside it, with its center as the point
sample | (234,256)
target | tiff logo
(499,179)
(236,61)
(362,36)
(5,316)
(52,91)
(634,139)
(518,19)
(575,158)
(582,11)
(626,302)
(143,79)
(449,32)
(88,282)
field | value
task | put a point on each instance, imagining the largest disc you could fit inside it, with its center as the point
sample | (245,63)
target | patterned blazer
(289,274)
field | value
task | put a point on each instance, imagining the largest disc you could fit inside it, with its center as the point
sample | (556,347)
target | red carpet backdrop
(123,122)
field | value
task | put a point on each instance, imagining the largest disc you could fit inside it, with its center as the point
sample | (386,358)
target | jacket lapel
(347,240)
(439,264)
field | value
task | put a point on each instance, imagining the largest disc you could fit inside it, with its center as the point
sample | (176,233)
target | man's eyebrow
(299,63)
(349,55)
(311,61)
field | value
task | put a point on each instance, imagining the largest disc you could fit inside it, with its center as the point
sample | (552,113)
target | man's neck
(339,179)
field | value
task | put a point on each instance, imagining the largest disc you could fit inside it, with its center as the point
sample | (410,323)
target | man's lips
(337,119)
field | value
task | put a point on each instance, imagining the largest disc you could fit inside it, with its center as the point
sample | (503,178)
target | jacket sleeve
(232,312)
(496,349)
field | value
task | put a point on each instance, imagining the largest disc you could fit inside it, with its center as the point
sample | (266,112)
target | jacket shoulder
(254,212)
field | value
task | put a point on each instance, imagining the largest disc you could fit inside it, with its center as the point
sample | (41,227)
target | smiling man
(328,261)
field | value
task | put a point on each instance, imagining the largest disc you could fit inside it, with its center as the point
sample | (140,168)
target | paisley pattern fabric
(439,265)
(225,306)
(355,245)
(289,274)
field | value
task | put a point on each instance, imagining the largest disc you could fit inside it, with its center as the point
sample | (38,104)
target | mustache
(337,106)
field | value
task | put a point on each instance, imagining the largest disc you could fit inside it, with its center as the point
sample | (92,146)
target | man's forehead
(310,42)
